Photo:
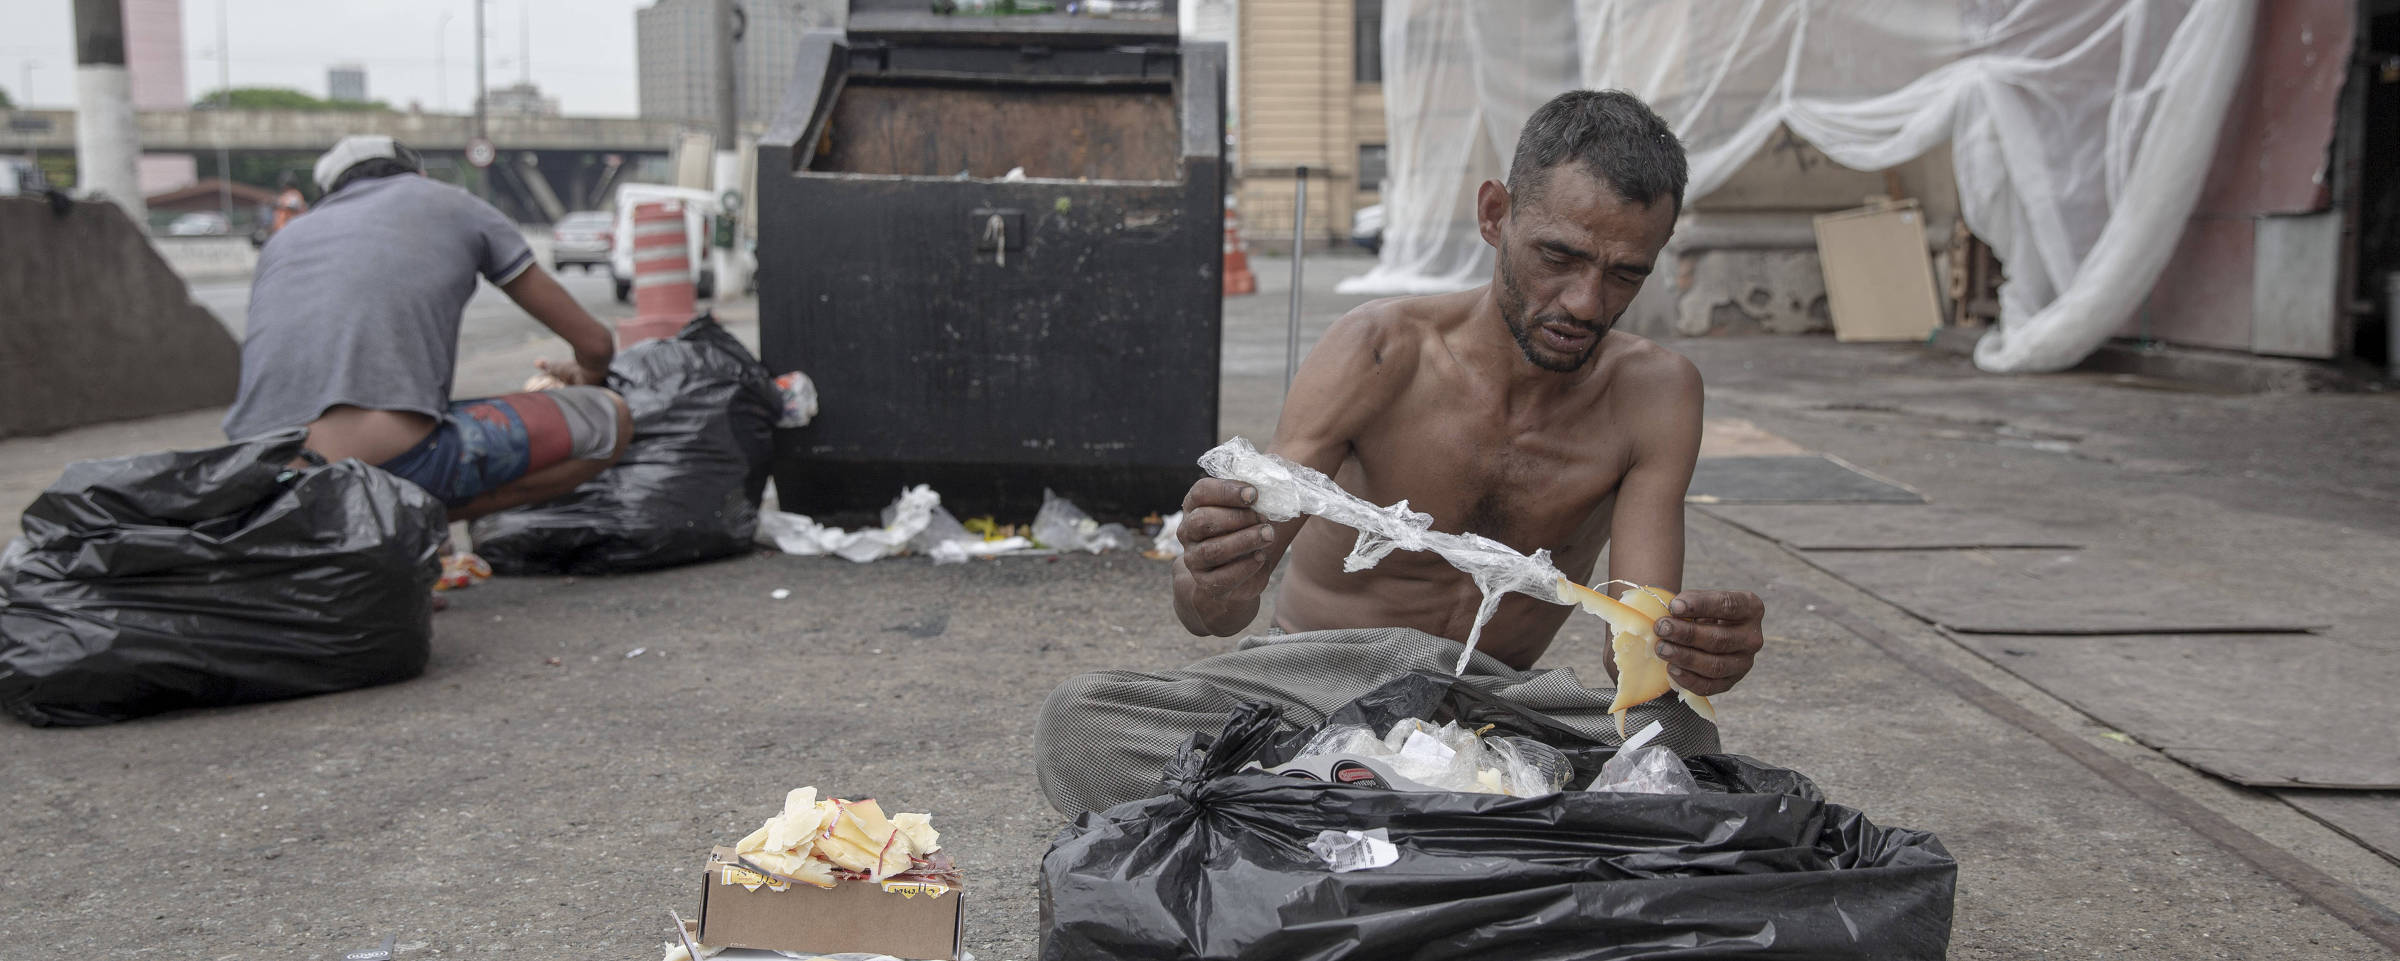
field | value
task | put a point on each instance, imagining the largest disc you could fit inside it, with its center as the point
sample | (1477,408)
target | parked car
(582,238)
(200,223)
(698,207)
(1366,228)
(20,177)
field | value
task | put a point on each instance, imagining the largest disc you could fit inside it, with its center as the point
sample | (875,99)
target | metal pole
(224,104)
(721,52)
(441,64)
(1291,347)
(483,180)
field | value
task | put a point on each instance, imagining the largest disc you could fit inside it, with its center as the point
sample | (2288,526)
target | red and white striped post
(663,299)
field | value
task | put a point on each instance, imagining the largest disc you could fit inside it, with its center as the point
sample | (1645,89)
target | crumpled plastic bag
(203,578)
(1061,525)
(1287,490)
(799,400)
(904,522)
(687,489)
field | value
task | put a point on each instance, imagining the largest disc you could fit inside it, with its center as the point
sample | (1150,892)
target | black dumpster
(986,331)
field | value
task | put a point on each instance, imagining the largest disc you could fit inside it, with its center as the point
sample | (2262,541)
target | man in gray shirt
(353,333)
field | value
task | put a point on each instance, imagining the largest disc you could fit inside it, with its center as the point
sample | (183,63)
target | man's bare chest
(1526,488)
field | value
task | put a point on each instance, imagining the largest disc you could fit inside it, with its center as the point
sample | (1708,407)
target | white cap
(351,151)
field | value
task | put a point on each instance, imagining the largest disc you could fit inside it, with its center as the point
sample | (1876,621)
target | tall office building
(676,60)
(154,54)
(154,68)
(346,81)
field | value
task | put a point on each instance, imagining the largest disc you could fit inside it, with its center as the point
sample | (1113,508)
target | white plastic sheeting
(2082,130)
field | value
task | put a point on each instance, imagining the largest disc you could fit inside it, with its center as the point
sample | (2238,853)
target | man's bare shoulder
(1397,330)
(1645,371)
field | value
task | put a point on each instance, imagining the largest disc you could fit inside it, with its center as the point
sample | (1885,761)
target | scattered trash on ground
(917,524)
(462,569)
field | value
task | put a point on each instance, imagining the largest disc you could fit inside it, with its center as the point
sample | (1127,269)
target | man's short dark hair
(1613,134)
(407,163)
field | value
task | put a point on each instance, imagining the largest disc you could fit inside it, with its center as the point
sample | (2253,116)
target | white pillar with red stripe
(663,298)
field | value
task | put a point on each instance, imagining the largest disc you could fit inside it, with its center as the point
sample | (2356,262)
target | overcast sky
(582,50)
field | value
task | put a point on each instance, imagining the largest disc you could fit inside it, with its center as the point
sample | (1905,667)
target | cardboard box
(904,919)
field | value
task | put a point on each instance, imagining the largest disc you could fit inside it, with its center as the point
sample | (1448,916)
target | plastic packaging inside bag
(1641,767)
(1287,490)
(1450,758)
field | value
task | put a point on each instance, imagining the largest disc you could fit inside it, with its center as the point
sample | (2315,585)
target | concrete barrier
(200,260)
(94,325)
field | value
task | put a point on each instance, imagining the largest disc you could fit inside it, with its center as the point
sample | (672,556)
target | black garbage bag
(204,578)
(1757,865)
(687,489)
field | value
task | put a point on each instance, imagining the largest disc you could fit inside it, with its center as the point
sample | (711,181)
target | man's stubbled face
(1572,257)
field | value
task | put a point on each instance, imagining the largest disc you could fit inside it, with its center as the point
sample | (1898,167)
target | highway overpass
(548,165)
(193,131)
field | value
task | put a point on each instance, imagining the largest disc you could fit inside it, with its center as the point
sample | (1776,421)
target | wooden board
(1840,527)
(2002,591)
(1809,479)
(2267,710)
(1878,274)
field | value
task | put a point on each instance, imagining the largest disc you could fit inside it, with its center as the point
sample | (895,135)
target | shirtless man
(353,334)
(1512,411)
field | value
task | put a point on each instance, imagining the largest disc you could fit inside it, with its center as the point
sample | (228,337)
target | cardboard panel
(2371,818)
(2063,592)
(892,918)
(1810,479)
(1886,526)
(2269,710)
(1878,276)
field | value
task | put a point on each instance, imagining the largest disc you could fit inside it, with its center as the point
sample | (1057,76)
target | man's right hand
(1225,550)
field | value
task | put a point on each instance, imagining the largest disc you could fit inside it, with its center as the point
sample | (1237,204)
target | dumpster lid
(913,21)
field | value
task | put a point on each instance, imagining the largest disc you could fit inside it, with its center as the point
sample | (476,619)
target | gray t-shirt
(358,302)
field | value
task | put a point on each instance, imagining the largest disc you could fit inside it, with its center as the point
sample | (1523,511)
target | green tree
(5,103)
(280,98)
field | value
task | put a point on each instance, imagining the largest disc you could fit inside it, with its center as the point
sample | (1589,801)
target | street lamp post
(224,103)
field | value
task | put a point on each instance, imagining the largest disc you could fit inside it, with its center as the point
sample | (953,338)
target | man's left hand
(1710,638)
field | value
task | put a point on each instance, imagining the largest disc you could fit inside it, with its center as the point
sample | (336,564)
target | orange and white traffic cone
(1238,278)
(663,299)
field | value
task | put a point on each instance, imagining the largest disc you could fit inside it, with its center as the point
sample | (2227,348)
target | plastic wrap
(204,578)
(1287,490)
(1755,864)
(1060,525)
(2081,130)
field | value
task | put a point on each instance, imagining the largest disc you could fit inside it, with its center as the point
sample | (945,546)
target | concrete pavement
(503,805)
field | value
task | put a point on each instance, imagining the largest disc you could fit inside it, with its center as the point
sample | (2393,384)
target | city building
(675,57)
(519,100)
(154,68)
(346,81)
(1311,95)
